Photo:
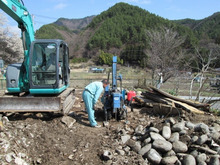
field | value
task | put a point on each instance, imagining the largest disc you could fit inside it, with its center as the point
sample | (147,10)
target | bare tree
(11,49)
(202,63)
(164,53)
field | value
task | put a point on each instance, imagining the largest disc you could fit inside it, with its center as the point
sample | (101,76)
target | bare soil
(44,139)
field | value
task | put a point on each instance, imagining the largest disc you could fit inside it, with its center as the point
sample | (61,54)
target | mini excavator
(41,82)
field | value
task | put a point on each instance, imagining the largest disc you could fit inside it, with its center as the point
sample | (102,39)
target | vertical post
(114,73)
(1,84)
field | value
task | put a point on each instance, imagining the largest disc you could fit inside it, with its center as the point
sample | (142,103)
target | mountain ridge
(74,24)
(93,33)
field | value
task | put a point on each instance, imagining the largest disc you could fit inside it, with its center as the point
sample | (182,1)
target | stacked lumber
(169,104)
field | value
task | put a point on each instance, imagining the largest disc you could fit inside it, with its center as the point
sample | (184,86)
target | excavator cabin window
(44,64)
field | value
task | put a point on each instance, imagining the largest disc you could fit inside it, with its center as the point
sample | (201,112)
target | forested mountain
(51,31)
(68,30)
(63,24)
(205,28)
(121,30)
(124,24)
(74,24)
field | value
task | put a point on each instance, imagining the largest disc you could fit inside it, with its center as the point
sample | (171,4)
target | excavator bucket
(60,104)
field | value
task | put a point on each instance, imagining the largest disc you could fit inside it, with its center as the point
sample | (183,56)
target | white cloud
(60,6)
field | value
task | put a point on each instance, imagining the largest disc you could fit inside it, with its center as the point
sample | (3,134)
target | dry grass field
(136,79)
(133,79)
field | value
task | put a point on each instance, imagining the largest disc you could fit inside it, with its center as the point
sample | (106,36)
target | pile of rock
(9,143)
(174,143)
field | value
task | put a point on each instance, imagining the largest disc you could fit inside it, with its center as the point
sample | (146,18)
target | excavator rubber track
(61,103)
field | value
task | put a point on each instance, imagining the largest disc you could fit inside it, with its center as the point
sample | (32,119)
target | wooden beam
(194,104)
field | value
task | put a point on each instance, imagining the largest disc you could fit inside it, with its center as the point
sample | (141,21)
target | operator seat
(50,66)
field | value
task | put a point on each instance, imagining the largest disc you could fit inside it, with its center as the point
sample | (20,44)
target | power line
(39,22)
(37,17)
(42,16)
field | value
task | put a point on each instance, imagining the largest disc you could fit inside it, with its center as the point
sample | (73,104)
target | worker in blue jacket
(90,96)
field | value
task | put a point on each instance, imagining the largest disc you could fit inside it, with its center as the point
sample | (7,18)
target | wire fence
(180,87)
(81,83)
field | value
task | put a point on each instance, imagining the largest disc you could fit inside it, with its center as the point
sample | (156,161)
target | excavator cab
(49,69)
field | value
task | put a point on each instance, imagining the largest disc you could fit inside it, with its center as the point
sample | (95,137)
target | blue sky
(48,11)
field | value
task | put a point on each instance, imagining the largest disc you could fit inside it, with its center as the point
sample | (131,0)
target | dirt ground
(41,138)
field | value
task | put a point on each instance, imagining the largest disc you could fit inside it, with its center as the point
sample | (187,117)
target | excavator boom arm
(16,10)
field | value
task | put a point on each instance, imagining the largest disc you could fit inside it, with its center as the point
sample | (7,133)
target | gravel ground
(43,138)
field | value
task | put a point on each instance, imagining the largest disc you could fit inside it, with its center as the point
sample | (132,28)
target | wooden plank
(194,104)
(144,102)
(168,103)
(155,97)
(186,107)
